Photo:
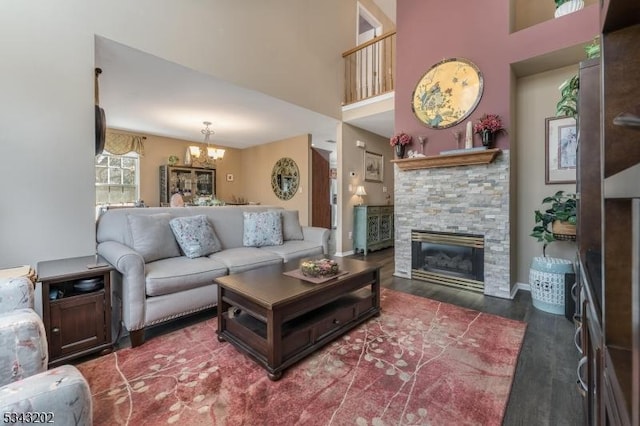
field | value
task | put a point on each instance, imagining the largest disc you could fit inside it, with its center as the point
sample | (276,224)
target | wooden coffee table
(278,319)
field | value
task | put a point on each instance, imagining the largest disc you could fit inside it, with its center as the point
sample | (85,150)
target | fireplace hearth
(452,259)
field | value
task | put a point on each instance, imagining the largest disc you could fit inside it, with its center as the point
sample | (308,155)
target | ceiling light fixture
(214,153)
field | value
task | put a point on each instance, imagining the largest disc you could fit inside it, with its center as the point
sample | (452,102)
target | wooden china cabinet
(609,220)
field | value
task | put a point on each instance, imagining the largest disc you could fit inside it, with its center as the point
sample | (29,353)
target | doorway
(368,62)
(320,188)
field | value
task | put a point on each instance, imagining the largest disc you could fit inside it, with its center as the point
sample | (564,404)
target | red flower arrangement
(400,139)
(488,122)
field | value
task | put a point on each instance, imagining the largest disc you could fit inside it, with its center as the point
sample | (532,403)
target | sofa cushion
(291,229)
(244,258)
(294,250)
(195,235)
(177,274)
(262,229)
(152,237)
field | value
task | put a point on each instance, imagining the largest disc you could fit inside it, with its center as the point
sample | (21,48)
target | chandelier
(212,153)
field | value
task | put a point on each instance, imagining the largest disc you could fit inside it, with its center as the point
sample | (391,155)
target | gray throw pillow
(291,229)
(152,236)
(262,229)
(195,235)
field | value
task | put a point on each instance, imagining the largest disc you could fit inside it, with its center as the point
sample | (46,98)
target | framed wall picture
(561,143)
(373,167)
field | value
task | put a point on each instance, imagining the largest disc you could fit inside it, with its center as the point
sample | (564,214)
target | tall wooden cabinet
(589,237)
(191,181)
(609,239)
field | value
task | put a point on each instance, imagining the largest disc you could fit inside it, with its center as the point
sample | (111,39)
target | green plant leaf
(560,206)
(593,49)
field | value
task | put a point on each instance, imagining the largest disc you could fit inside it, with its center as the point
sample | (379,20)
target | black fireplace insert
(454,259)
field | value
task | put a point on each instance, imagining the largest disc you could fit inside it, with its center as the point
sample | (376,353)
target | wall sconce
(360,192)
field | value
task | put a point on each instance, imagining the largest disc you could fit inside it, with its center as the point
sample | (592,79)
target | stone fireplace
(471,199)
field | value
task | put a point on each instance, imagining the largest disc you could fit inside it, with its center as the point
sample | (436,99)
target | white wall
(46,81)
(536,98)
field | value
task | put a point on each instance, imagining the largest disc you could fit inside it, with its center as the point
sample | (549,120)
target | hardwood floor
(544,391)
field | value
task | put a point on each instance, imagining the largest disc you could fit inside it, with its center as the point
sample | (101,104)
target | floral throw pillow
(195,236)
(262,229)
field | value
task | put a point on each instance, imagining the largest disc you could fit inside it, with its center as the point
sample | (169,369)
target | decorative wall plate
(448,93)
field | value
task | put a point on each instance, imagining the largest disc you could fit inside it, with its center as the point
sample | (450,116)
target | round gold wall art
(447,93)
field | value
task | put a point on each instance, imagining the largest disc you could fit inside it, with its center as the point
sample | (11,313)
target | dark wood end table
(77,322)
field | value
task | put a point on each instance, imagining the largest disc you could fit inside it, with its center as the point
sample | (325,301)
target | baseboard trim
(344,253)
(523,286)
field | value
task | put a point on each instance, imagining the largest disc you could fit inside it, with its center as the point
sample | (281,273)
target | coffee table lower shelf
(291,338)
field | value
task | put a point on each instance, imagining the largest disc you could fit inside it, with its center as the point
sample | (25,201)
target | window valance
(121,143)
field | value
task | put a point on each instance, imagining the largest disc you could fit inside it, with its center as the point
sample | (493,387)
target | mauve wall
(429,31)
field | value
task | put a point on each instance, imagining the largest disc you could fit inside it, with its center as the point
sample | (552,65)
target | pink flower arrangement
(488,122)
(400,139)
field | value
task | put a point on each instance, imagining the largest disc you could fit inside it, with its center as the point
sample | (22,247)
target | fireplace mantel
(448,160)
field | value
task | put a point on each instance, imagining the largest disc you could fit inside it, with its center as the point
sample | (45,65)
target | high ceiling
(142,93)
(146,94)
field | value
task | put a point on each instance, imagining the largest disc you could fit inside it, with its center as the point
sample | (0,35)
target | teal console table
(372,228)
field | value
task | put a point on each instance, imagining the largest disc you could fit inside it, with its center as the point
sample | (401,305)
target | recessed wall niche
(527,13)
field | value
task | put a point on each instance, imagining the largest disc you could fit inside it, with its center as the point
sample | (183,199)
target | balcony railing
(369,68)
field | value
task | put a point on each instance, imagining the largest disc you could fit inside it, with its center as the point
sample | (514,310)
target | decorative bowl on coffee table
(319,268)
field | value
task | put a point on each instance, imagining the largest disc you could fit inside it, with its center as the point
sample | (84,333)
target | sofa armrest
(317,235)
(16,293)
(60,396)
(132,286)
(23,345)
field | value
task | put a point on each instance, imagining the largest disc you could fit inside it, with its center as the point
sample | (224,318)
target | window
(117,178)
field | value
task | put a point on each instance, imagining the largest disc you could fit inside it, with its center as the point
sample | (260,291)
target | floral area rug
(420,362)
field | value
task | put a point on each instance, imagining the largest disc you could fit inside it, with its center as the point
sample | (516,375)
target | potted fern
(557,221)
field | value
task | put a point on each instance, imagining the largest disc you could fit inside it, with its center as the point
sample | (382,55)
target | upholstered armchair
(30,393)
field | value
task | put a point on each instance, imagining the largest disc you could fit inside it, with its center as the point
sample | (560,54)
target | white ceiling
(142,93)
(381,123)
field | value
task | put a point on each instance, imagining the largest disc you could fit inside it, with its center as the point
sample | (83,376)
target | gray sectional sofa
(156,282)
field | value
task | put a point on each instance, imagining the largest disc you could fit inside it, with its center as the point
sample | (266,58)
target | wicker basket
(563,231)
